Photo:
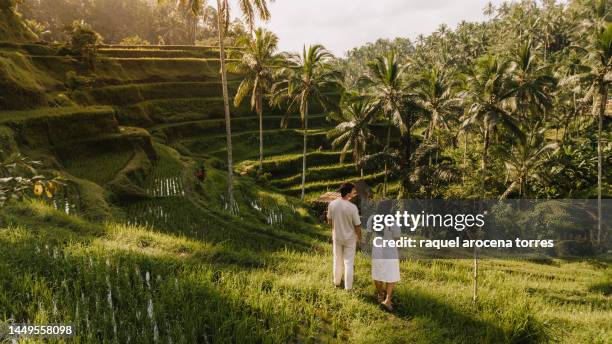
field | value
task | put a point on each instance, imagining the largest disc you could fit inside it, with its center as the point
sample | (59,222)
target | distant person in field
(385,261)
(200,173)
(343,217)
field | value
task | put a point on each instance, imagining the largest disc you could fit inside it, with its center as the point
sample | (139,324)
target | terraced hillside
(148,253)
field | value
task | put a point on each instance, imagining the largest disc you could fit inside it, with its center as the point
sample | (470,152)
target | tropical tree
(387,86)
(305,79)
(486,95)
(600,60)
(594,73)
(251,9)
(353,131)
(485,98)
(434,92)
(258,59)
(532,85)
(525,160)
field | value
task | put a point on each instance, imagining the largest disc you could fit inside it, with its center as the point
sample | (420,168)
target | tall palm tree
(251,9)
(387,86)
(260,6)
(600,60)
(306,78)
(352,131)
(594,73)
(258,59)
(486,95)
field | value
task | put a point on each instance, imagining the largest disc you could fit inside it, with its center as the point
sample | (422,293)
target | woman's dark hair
(346,188)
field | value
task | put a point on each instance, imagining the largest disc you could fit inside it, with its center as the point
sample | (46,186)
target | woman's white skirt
(385,270)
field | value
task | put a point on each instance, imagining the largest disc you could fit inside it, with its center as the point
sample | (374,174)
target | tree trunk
(603,102)
(465,142)
(387,157)
(228,124)
(483,165)
(407,142)
(475,276)
(305,151)
(482,186)
(260,115)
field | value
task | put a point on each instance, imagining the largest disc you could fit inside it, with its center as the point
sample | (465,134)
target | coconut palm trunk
(603,100)
(387,158)
(305,150)
(483,166)
(222,4)
(259,109)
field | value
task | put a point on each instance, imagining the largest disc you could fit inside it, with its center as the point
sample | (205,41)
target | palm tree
(525,160)
(531,85)
(250,10)
(434,92)
(386,83)
(352,131)
(223,21)
(600,59)
(257,62)
(306,78)
(486,94)
(595,73)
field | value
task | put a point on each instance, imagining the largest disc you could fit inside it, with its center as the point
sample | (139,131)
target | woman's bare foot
(381,296)
(387,305)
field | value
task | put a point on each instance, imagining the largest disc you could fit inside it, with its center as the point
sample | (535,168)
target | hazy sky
(343,24)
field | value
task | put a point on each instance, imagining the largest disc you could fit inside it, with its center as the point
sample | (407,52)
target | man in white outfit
(343,216)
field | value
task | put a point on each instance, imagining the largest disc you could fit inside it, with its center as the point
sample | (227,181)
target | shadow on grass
(447,323)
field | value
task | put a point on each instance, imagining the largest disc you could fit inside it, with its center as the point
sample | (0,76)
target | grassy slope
(237,281)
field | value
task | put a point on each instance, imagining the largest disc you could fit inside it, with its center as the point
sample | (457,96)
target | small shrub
(134,40)
(83,42)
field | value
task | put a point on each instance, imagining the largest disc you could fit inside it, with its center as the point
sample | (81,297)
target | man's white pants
(344,256)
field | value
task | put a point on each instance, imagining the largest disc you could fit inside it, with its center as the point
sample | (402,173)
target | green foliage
(19,177)
(134,40)
(83,41)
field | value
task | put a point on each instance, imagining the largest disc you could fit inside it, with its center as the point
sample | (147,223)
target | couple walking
(343,216)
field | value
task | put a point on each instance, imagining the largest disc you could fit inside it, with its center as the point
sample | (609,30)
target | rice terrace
(170,173)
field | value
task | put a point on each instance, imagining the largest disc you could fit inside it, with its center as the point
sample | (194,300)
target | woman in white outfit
(385,262)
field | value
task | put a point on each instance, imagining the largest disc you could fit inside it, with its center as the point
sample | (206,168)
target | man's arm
(358,232)
(357,223)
